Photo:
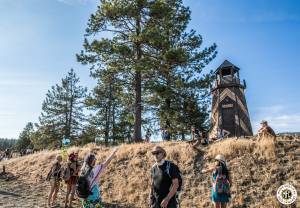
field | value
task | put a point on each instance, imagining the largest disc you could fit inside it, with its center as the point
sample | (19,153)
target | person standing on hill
(166,135)
(54,176)
(148,135)
(70,176)
(90,172)
(265,130)
(165,181)
(196,135)
(221,181)
(7,153)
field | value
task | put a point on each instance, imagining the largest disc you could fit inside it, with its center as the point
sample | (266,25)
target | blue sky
(39,40)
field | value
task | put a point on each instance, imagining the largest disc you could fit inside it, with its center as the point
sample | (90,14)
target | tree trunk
(106,131)
(168,110)
(113,123)
(71,111)
(138,88)
(138,108)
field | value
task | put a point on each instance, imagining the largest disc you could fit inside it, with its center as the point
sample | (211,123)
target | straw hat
(220,158)
(159,149)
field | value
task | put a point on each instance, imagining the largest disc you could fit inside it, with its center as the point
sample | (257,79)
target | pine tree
(25,139)
(62,110)
(111,105)
(178,83)
(125,52)
(153,56)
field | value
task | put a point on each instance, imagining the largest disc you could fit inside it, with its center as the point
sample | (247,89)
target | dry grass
(257,171)
(232,148)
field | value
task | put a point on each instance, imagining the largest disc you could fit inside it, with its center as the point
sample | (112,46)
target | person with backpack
(54,177)
(87,187)
(70,176)
(166,181)
(221,181)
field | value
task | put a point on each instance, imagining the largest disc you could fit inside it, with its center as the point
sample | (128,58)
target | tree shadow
(199,159)
(115,205)
(6,193)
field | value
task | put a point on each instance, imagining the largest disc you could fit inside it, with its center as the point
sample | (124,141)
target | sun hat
(159,149)
(220,158)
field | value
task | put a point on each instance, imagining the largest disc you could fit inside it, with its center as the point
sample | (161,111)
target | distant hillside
(7,143)
(258,169)
(290,133)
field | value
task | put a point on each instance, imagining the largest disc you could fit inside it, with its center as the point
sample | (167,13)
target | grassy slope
(258,169)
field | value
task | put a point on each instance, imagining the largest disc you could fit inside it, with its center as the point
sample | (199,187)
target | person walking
(165,181)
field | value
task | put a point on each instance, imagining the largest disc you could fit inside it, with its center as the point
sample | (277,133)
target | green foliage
(149,74)
(179,88)
(155,61)
(123,55)
(25,137)
(7,143)
(62,112)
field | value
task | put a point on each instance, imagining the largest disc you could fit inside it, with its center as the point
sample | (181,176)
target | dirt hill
(258,168)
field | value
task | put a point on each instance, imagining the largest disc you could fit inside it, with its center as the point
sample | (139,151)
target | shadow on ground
(6,193)
(115,205)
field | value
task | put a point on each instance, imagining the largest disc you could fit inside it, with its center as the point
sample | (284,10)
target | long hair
(87,165)
(223,169)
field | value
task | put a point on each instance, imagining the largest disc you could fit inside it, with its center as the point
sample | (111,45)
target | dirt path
(17,194)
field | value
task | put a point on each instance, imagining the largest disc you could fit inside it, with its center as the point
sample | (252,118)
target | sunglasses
(156,153)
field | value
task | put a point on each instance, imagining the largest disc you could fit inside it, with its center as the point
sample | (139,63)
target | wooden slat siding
(245,124)
(244,127)
(228,93)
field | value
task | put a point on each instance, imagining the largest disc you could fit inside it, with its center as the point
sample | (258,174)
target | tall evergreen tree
(180,90)
(62,110)
(112,106)
(150,52)
(125,51)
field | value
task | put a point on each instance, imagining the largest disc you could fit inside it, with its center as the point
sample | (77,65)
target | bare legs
(53,192)
(220,205)
(223,205)
(70,190)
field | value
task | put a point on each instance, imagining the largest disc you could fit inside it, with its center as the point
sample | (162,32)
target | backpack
(48,177)
(54,171)
(66,173)
(180,181)
(221,184)
(82,185)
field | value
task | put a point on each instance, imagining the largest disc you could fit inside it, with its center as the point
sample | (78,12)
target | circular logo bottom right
(286,194)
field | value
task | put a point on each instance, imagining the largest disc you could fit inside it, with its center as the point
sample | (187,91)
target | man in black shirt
(164,181)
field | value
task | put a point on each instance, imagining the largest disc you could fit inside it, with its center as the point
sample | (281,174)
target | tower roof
(227,64)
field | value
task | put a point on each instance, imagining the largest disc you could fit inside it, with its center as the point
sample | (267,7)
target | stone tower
(229,107)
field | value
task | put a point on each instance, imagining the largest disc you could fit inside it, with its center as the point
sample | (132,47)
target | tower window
(226,72)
